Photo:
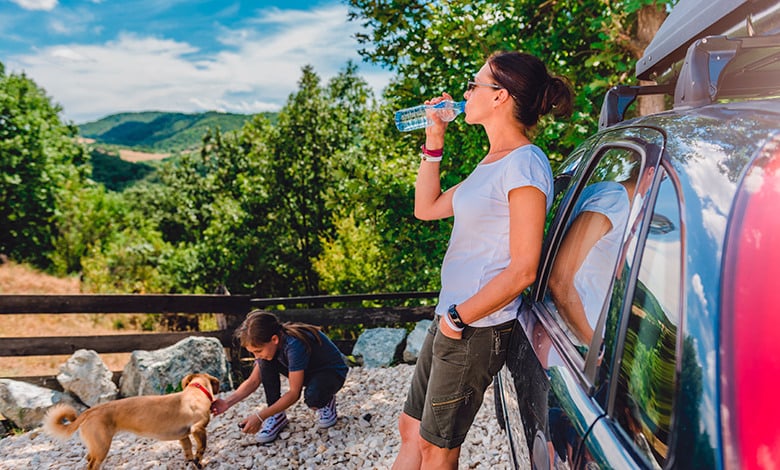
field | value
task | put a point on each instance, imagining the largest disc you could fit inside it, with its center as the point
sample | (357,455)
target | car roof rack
(620,97)
(691,20)
(698,69)
(718,67)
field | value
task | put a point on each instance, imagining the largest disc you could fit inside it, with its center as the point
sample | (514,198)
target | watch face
(455,317)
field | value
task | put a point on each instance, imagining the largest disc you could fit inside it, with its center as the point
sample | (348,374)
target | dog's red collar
(202,389)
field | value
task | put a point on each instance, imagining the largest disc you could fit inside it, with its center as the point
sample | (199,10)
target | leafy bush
(40,163)
(114,173)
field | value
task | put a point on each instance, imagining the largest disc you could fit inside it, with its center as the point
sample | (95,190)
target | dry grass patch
(134,156)
(21,279)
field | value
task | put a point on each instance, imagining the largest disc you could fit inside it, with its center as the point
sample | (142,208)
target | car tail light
(750,319)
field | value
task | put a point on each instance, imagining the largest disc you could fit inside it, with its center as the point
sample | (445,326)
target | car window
(584,265)
(644,394)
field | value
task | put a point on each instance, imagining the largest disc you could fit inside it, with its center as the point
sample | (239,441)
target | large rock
(86,376)
(159,372)
(379,347)
(25,404)
(415,340)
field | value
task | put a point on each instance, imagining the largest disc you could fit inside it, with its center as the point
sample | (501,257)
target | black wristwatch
(455,316)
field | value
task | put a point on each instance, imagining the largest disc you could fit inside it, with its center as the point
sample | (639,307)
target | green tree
(127,262)
(206,205)
(177,204)
(236,247)
(438,46)
(85,217)
(314,127)
(40,161)
(352,261)
(379,246)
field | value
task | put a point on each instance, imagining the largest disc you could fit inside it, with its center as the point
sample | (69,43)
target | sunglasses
(472,85)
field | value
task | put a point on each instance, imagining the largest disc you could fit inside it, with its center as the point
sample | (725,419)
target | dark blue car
(651,337)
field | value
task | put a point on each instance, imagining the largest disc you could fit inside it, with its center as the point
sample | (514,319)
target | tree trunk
(649,20)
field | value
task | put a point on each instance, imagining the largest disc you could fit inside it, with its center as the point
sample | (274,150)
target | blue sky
(100,57)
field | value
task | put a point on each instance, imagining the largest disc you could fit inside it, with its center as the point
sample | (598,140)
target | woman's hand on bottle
(435,133)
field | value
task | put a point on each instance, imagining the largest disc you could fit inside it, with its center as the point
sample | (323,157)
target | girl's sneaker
(327,416)
(272,427)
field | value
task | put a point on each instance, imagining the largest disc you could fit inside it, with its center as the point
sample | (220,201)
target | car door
(594,228)
(641,341)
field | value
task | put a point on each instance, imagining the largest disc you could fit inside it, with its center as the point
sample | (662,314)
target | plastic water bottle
(414,118)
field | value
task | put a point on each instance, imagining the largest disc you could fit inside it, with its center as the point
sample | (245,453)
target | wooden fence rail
(230,310)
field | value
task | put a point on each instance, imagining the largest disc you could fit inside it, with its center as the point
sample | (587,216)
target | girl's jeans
(319,388)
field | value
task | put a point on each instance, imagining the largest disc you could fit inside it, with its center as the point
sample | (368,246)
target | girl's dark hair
(260,326)
(534,90)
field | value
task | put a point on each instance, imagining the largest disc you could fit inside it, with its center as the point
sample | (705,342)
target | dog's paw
(195,463)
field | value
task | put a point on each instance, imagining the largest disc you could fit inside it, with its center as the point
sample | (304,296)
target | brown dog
(164,417)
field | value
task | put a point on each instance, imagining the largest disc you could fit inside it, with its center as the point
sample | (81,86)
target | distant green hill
(160,131)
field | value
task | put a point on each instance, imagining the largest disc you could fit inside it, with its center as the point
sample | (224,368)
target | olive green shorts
(450,380)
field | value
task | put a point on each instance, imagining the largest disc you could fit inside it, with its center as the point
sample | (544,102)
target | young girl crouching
(311,362)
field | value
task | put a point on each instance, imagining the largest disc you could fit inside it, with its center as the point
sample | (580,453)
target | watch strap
(453,314)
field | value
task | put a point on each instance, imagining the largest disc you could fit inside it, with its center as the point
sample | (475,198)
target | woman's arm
(429,201)
(587,229)
(527,211)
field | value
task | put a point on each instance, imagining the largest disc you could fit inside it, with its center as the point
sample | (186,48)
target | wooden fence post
(229,323)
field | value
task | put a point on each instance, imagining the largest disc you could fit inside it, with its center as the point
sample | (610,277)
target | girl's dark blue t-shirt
(293,356)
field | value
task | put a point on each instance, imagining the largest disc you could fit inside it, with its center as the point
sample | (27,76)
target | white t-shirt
(479,245)
(594,276)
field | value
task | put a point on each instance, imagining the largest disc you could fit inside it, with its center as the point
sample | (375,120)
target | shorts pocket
(450,351)
(448,412)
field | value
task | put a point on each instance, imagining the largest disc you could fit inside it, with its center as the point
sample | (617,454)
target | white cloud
(68,22)
(45,5)
(67,54)
(698,289)
(703,179)
(256,70)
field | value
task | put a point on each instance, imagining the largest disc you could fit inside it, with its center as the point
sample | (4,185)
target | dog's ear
(186,380)
(214,385)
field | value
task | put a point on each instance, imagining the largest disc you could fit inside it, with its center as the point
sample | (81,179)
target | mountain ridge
(162,131)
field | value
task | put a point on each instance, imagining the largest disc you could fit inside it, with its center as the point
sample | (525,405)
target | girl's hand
(250,425)
(447,331)
(219,406)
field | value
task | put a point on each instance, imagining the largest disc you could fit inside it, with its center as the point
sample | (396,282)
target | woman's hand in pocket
(447,331)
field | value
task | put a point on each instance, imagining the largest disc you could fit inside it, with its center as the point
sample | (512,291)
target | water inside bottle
(414,118)
(411,119)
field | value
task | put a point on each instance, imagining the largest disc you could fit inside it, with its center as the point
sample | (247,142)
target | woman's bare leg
(409,456)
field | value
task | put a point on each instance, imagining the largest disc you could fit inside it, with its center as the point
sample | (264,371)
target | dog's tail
(54,423)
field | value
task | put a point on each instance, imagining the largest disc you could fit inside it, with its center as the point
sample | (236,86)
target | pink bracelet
(432,153)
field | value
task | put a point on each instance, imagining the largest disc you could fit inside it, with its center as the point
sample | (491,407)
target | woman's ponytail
(534,90)
(556,98)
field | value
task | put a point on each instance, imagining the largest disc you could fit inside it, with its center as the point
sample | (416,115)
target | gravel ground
(353,443)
